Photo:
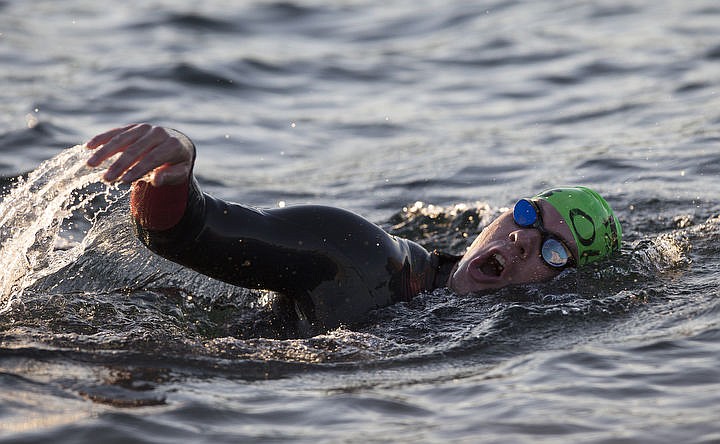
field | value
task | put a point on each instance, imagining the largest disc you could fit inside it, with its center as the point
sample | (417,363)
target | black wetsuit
(334,265)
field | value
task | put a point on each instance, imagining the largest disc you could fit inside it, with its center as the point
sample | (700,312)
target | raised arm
(237,244)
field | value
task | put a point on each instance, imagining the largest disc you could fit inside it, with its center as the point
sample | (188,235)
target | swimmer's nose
(526,240)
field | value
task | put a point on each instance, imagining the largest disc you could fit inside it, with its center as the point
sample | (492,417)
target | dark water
(372,106)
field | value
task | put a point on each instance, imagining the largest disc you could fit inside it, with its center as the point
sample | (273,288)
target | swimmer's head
(538,238)
(593,224)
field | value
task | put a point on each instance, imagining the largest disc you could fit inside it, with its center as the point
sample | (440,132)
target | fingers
(144,148)
(105,137)
(147,144)
(165,153)
(121,139)
(110,143)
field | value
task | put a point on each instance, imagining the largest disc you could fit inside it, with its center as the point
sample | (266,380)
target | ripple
(190,22)
(536,57)
(595,112)
(194,75)
(285,10)
(181,72)
(713,53)
(600,11)
(692,86)
(605,164)
(591,71)
(42,133)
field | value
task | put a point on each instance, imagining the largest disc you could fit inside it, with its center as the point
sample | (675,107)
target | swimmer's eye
(526,214)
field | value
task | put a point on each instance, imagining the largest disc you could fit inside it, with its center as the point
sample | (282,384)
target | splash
(450,228)
(32,216)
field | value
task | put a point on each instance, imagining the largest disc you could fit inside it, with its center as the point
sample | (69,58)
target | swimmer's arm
(157,161)
(241,245)
(179,222)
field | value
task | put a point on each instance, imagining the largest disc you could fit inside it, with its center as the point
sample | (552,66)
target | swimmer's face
(505,253)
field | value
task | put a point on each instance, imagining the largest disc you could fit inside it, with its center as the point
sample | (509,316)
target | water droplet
(31,120)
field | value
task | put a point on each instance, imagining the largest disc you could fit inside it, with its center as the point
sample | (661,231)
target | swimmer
(332,265)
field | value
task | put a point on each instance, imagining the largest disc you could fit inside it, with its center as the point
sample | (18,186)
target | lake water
(428,118)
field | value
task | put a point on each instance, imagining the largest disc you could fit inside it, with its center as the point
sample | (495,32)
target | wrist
(158,208)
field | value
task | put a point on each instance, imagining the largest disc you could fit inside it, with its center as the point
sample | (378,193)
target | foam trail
(31,216)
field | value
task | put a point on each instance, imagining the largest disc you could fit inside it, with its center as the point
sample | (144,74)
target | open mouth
(493,265)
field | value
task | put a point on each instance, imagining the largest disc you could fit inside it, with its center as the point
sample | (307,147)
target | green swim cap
(593,224)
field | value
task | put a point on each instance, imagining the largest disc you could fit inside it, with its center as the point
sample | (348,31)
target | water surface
(428,118)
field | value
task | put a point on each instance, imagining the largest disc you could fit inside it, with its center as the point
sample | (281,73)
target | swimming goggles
(554,251)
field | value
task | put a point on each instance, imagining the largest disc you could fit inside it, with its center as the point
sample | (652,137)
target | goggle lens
(525,213)
(554,253)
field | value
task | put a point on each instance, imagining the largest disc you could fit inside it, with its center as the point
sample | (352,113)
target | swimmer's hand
(164,154)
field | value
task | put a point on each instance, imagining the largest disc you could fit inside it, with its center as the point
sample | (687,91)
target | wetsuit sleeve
(161,208)
(158,208)
(335,265)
